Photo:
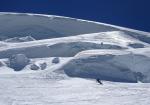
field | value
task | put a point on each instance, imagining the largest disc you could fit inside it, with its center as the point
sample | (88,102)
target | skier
(99,81)
(102,43)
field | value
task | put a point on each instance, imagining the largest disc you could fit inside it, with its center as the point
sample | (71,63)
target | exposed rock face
(18,61)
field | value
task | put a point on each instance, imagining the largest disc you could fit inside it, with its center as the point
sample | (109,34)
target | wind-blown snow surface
(40,91)
(84,51)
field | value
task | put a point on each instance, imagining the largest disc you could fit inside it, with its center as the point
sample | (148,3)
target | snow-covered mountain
(51,60)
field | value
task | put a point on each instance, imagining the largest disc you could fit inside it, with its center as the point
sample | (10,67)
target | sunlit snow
(55,60)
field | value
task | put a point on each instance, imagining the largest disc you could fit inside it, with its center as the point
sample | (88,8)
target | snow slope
(85,50)
(41,26)
(114,65)
(69,46)
(73,91)
(76,36)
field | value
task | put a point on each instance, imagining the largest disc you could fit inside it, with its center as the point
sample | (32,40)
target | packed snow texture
(51,60)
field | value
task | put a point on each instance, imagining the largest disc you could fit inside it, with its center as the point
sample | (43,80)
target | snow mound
(34,67)
(112,65)
(18,62)
(38,66)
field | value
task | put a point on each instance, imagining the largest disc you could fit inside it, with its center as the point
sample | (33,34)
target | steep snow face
(40,26)
(113,65)
(50,26)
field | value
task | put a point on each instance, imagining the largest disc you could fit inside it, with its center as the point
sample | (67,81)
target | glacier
(51,60)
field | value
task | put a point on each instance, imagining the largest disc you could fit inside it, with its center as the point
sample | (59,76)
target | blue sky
(128,13)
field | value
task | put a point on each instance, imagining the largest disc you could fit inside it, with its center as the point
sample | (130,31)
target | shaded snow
(111,65)
(100,66)
(42,26)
